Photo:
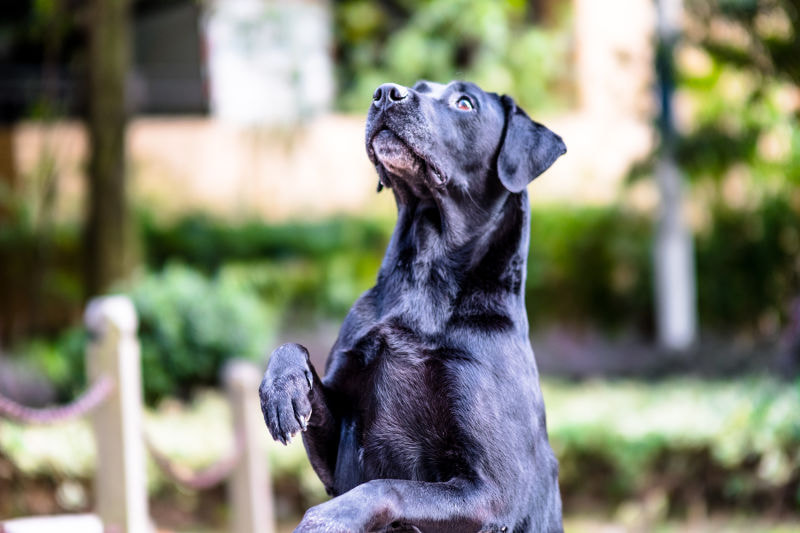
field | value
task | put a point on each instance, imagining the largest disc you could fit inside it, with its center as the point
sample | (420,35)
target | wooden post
(120,480)
(249,487)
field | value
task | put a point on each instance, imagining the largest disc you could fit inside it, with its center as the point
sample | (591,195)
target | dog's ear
(528,148)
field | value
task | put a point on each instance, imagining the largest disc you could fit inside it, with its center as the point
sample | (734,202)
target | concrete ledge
(73,523)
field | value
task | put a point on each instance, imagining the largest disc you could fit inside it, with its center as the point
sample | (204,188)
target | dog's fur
(430,416)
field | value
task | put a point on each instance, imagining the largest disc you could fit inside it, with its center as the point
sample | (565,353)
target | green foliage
(589,266)
(190,325)
(40,270)
(748,266)
(207,243)
(770,45)
(746,63)
(733,443)
(490,43)
(62,360)
(730,445)
(305,268)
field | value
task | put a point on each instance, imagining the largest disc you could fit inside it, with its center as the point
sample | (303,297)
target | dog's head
(432,141)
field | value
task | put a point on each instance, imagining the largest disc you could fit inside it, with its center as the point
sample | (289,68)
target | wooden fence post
(250,489)
(120,480)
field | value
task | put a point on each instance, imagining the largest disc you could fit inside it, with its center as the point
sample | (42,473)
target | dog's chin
(395,156)
(399,160)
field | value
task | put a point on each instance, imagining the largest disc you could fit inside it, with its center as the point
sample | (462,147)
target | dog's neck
(438,253)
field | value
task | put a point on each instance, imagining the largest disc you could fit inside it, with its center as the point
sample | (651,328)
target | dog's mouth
(399,159)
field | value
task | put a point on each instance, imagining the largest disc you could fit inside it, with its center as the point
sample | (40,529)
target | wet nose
(388,94)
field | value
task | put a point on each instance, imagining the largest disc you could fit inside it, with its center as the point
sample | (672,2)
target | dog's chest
(406,423)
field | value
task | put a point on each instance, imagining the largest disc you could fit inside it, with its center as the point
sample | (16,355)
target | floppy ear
(528,148)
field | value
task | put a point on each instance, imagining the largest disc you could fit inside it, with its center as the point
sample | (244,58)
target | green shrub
(589,266)
(207,243)
(731,443)
(748,265)
(309,268)
(190,325)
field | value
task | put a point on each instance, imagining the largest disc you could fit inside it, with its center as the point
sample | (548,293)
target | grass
(636,443)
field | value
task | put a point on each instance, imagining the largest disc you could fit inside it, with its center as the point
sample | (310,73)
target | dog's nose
(388,94)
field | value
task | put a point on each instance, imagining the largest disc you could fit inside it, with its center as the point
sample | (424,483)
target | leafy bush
(588,266)
(208,243)
(190,325)
(40,274)
(308,268)
(748,266)
(726,443)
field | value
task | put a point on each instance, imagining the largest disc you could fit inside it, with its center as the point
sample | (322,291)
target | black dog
(430,416)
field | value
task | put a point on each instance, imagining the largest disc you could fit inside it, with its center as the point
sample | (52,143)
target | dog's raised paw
(284,392)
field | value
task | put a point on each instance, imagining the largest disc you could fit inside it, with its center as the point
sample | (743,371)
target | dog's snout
(389,94)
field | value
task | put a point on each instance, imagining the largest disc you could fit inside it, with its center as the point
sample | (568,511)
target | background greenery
(675,444)
(208,289)
(403,41)
(211,290)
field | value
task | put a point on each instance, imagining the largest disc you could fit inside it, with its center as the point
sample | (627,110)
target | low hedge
(588,267)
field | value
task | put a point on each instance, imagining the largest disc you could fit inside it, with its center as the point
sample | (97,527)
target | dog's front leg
(293,399)
(388,504)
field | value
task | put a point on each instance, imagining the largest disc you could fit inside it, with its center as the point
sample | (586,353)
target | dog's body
(430,415)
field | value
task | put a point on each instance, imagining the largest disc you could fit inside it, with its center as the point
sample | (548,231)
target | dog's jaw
(392,154)
(395,155)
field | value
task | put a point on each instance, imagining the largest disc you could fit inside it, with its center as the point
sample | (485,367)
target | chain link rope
(88,401)
(202,479)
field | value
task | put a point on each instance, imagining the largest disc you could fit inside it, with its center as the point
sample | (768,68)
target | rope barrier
(205,478)
(89,400)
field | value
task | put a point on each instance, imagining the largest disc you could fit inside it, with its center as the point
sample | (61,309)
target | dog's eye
(464,104)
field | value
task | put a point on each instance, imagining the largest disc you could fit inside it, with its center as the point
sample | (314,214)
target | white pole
(249,488)
(113,351)
(673,254)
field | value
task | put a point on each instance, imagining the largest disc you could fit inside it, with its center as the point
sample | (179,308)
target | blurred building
(249,61)
(232,101)
(268,62)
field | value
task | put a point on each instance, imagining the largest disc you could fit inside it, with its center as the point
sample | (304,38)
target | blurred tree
(745,82)
(543,11)
(742,71)
(737,131)
(491,43)
(759,35)
(107,233)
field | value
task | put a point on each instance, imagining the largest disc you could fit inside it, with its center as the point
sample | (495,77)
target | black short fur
(430,416)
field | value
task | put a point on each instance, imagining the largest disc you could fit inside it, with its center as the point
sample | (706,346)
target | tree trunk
(107,258)
(8,167)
